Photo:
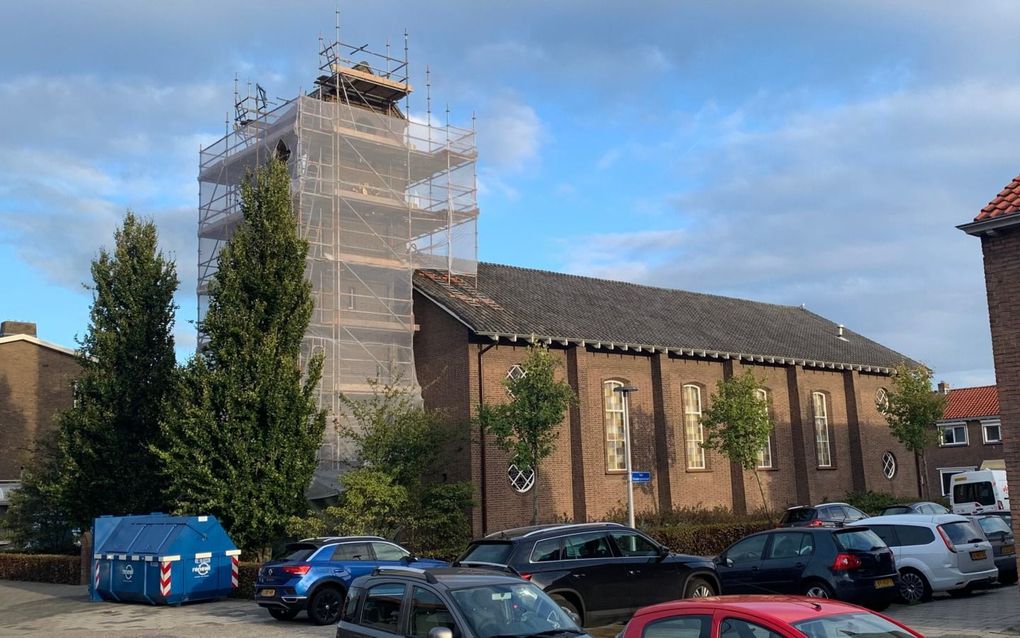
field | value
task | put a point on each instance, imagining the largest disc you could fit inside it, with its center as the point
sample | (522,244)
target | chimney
(943,388)
(8,328)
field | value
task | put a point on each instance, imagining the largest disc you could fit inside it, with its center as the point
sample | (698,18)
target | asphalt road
(37,609)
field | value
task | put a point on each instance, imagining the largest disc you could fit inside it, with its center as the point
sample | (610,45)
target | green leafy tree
(528,425)
(127,368)
(38,520)
(738,425)
(242,441)
(912,409)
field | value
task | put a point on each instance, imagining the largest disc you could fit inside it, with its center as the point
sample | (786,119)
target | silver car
(938,553)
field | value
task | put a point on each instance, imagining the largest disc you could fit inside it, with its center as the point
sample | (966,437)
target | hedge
(704,540)
(41,568)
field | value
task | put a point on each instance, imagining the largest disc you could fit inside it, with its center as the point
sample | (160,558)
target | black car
(823,515)
(1000,535)
(923,507)
(598,571)
(850,564)
(446,602)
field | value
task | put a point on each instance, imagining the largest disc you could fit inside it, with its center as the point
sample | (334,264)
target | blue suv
(315,574)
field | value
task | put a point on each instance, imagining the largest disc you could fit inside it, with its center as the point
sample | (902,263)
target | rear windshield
(896,509)
(497,553)
(860,540)
(800,515)
(974,493)
(993,524)
(962,532)
(297,551)
(857,624)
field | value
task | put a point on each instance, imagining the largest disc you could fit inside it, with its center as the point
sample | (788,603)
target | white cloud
(510,135)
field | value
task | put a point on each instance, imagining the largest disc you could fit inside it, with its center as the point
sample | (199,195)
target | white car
(946,552)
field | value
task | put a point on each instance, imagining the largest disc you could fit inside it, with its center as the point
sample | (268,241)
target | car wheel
(818,589)
(325,605)
(569,607)
(1009,578)
(699,588)
(281,613)
(914,587)
(879,605)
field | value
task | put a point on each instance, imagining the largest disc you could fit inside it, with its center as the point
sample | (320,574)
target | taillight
(816,523)
(945,539)
(295,570)
(526,576)
(845,562)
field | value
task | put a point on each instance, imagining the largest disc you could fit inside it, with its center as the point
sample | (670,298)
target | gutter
(991,226)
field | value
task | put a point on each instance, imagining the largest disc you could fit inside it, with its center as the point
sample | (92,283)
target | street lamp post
(625,391)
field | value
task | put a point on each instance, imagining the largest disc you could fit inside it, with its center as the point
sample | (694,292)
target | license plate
(979,555)
(1008,550)
(267,593)
(882,583)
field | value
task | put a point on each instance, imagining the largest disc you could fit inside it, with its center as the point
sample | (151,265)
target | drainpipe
(481,437)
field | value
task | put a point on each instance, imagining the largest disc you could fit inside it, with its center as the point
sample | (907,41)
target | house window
(694,432)
(616,445)
(953,434)
(946,475)
(515,373)
(765,454)
(881,399)
(992,431)
(822,449)
(889,465)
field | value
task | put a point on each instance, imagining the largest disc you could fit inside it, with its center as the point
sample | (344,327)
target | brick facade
(969,456)
(35,384)
(457,370)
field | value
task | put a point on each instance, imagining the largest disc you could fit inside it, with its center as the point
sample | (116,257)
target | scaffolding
(377,194)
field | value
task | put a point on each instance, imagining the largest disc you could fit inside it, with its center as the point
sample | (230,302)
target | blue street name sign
(641,477)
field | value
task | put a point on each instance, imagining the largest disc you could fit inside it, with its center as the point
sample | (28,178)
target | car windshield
(296,551)
(493,553)
(799,515)
(514,610)
(862,625)
(993,525)
(962,532)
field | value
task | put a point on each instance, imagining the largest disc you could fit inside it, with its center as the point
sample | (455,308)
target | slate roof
(519,301)
(972,403)
(1007,202)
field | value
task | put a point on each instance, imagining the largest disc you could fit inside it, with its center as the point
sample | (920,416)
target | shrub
(706,539)
(41,568)
(246,575)
(871,502)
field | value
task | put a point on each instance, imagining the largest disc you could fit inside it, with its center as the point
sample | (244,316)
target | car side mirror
(663,551)
(408,559)
(440,632)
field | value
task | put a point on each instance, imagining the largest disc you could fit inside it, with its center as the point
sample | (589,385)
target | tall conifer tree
(128,367)
(243,443)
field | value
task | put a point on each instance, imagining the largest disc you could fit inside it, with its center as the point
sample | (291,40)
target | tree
(912,409)
(738,424)
(528,425)
(242,442)
(128,367)
(38,520)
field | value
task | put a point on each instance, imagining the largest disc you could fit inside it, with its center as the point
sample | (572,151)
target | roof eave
(990,226)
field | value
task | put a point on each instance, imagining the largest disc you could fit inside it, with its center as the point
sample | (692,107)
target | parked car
(822,515)
(598,571)
(923,507)
(761,617)
(447,602)
(315,574)
(850,564)
(1000,535)
(936,553)
(978,492)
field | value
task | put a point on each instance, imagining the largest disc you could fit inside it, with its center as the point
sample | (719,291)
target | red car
(761,617)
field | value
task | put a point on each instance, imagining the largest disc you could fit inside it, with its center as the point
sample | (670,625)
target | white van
(978,492)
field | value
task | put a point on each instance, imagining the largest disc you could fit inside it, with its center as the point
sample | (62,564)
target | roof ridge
(649,286)
(974,387)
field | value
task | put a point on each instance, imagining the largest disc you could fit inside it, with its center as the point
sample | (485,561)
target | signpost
(641,477)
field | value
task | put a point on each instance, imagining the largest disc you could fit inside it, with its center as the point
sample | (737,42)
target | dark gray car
(1003,547)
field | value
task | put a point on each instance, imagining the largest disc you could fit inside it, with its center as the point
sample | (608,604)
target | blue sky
(816,153)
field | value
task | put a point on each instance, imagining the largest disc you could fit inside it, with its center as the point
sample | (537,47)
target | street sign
(641,477)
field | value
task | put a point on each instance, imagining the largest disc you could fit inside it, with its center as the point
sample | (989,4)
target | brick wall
(973,454)
(35,384)
(1002,281)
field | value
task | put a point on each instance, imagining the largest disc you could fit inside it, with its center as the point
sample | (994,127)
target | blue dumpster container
(161,559)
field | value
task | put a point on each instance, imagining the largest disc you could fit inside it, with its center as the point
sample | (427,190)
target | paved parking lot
(36,609)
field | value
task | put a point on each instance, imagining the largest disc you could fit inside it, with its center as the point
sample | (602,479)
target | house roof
(512,302)
(971,403)
(1007,202)
(36,341)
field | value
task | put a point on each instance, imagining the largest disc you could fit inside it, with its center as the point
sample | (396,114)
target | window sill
(826,468)
(954,445)
(698,470)
(993,442)
(766,469)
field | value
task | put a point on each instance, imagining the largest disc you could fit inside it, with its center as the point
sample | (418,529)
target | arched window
(765,454)
(889,465)
(616,445)
(822,449)
(694,432)
(881,398)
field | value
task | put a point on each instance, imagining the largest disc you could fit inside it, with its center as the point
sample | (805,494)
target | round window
(889,465)
(520,480)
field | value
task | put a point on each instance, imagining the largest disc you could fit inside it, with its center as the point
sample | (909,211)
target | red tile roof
(970,403)
(1007,202)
